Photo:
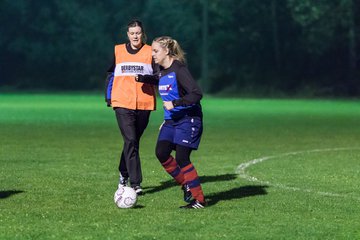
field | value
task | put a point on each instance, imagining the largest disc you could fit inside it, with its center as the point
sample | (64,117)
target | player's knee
(163,150)
(131,142)
(161,155)
(182,162)
(183,156)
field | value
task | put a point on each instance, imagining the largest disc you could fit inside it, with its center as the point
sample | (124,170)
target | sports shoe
(138,190)
(194,204)
(187,193)
(123,182)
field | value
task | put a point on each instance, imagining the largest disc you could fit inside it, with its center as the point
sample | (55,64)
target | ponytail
(175,51)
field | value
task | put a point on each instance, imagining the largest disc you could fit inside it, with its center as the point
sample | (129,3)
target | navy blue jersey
(177,85)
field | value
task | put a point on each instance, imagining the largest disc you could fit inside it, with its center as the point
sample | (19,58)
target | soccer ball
(125,197)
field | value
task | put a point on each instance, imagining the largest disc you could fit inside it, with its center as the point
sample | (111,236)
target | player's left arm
(189,90)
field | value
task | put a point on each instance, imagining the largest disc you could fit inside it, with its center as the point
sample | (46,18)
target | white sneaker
(138,190)
(123,182)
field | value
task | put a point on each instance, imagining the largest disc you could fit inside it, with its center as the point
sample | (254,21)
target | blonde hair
(173,46)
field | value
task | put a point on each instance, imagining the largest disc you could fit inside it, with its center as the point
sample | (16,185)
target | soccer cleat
(138,190)
(123,182)
(187,193)
(194,204)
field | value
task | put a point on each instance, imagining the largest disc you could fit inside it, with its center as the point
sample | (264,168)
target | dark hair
(138,23)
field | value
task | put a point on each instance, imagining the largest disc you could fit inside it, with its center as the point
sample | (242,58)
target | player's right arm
(150,79)
(109,83)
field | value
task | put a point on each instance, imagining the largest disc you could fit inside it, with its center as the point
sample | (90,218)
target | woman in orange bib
(132,101)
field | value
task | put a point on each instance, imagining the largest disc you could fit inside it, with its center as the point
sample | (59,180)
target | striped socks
(174,170)
(186,175)
(193,181)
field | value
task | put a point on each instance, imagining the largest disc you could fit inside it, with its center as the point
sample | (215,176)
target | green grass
(59,157)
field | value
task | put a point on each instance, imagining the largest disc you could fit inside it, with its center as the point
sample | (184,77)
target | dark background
(234,47)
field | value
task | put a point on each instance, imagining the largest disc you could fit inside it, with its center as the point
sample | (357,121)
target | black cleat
(194,204)
(187,193)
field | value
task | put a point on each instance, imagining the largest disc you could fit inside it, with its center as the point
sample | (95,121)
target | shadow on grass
(236,193)
(138,207)
(203,179)
(8,193)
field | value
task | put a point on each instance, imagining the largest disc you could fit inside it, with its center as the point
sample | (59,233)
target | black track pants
(132,124)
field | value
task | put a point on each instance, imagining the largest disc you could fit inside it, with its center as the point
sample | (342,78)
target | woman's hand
(168,105)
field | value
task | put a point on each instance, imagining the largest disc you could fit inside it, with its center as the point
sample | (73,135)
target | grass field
(271,169)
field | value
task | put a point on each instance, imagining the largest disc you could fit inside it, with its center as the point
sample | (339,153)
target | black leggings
(164,149)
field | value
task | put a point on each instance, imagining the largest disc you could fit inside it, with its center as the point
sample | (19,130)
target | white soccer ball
(125,197)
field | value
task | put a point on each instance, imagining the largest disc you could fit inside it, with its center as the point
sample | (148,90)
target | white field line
(241,170)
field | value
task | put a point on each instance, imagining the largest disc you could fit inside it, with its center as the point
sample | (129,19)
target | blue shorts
(186,131)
